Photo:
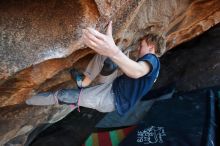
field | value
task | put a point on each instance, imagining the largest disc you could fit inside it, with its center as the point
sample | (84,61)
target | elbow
(136,75)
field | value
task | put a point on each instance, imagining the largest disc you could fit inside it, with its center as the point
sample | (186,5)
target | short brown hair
(157,41)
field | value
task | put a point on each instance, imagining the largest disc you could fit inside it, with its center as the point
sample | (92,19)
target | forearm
(129,67)
(105,45)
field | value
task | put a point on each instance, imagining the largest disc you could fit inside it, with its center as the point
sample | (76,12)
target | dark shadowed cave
(192,65)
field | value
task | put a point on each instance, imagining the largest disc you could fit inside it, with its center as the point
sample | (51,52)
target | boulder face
(18,121)
(40,41)
(192,65)
(37,37)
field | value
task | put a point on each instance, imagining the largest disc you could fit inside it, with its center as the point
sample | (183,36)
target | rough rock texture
(41,40)
(193,65)
(34,34)
(18,121)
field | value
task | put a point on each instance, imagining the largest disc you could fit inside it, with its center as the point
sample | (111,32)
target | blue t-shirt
(129,90)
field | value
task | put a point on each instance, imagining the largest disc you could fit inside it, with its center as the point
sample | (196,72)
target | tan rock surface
(40,41)
(18,121)
(34,34)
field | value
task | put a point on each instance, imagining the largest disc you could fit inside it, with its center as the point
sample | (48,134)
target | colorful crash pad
(108,138)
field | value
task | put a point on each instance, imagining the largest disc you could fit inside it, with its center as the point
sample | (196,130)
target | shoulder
(151,60)
(149,57)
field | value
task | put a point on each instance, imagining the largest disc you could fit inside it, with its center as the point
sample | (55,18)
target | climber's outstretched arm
(105,45)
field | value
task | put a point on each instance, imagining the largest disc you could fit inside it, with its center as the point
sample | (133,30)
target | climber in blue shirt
(114,91)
